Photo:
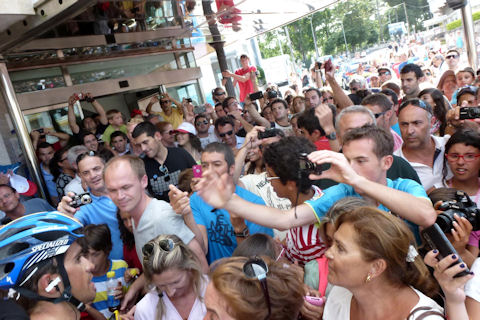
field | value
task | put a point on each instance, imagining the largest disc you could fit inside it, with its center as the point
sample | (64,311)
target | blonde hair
(137,165)
(244,297)
(158,260)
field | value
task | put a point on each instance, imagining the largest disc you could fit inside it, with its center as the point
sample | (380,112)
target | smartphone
(40,130)
(256,95)
(318,65)
(189,99)
(316,301)
(328,65)
(197,171)
(199,109)
(436,239)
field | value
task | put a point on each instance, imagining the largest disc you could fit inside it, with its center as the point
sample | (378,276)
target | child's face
(99,259)
(117,120)
(464,79)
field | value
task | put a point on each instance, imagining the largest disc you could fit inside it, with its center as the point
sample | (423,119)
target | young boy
(115,120)
(99,244)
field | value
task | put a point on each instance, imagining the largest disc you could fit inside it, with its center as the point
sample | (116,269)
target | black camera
(463,206)
(268,133)
(80,200)
(306,166)
(469,113)
(272,94)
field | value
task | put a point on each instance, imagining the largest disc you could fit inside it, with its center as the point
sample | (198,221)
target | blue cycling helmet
(32,239)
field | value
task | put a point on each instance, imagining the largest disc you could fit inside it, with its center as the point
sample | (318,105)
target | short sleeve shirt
(221,237)
(247,86)
(161,176)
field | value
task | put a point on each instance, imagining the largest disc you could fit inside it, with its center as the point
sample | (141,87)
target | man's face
(244,62)
(414,127)
(232,105)
(89,124)
(45,155)
(219,111)
(384,75)
(352,120)
(79,271)
(202,125)
(312,99)
(90,169)
(409,83)
(469,98)
(304,133)
(90,142)
(119,143)
(149,145)
(9,199)
(168,138)
(227,134)
(383,118)
(363,160)
(215,161)
(452,59)
(279,111)
(166,105)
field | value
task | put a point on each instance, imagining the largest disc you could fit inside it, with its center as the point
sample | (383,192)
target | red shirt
(247,86)
(322,144)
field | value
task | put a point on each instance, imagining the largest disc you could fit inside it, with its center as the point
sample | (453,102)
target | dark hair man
(245,77)
(119,143)
(45,154)
(205,132)
(410,77)
(163,165)
(225,127)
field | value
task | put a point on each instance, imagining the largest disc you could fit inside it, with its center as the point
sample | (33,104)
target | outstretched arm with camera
(259,120)
(251,141)
(341,99)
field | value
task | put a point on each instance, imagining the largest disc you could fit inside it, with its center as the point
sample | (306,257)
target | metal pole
(406,18)
(314,38)
(21,129)
(469,35)
(289,44)
(380,33)
(344,38)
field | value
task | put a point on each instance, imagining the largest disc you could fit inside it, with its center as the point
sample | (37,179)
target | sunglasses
(166,245)
(229,133)
(219,93)
(256,268)
(452,56)
(326,99)
(386,73)
(378,115)
(201,122)
(81,156)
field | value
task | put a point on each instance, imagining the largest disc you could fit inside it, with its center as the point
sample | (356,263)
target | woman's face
(449,86)
(296,130)
(216,305)
(464,170)
(182,138)
(127,220)
(253,154)
(174,282)
(428,98)
(346,265)
(298,105)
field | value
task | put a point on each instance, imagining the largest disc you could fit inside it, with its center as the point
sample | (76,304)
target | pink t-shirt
(247,86)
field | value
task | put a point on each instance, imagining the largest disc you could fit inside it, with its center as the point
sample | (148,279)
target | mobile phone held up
(256,95)
(197,171)
(316,301)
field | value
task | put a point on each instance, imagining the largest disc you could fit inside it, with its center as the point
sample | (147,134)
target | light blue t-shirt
(51,186)
(331,195)
(396,128)
(221,237)
(103,210)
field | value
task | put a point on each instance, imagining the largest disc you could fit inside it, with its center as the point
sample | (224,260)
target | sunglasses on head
(256,268)
(164,244)
(219,93)
(228,133)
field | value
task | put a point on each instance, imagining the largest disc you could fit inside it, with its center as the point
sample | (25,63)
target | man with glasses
(384,74)
(225,127)
(453,58)
(14,208)
(381,107)
(167,133)
(410,76)
(205,132)
(421,149)
(163,165)
(172,115)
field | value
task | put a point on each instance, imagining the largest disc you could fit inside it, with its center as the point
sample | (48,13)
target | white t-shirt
(74,186)
(147,307)
(472,287)
(159,218)
(339,301)
(212,137)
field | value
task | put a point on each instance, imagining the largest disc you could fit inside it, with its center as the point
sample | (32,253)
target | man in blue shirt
(102,209)
(221,231)
(361,171)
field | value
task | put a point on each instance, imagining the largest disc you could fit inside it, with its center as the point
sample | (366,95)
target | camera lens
(444,221)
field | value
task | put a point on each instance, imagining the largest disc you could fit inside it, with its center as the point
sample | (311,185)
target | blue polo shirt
(103,210)
(331,195)
(221,237)
(51,186)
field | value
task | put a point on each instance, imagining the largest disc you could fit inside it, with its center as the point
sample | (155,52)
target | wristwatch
(332,136)
(243,234)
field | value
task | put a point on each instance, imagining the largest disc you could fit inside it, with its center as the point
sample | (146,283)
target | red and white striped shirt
(305,243)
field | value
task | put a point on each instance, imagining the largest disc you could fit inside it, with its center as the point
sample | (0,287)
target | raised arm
(339,95)
(152,101)
(251,141)
(72,120)
(98,107)
(237,77)
(259,120)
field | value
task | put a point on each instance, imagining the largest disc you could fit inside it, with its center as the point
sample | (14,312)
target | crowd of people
(311,206)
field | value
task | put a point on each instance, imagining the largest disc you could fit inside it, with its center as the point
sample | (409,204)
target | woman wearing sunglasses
(254,288)
(376,270)
(178,285)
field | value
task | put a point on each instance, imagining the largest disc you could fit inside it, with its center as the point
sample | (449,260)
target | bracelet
(243,234)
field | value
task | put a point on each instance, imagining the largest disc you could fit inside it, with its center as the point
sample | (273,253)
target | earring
(369,277)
